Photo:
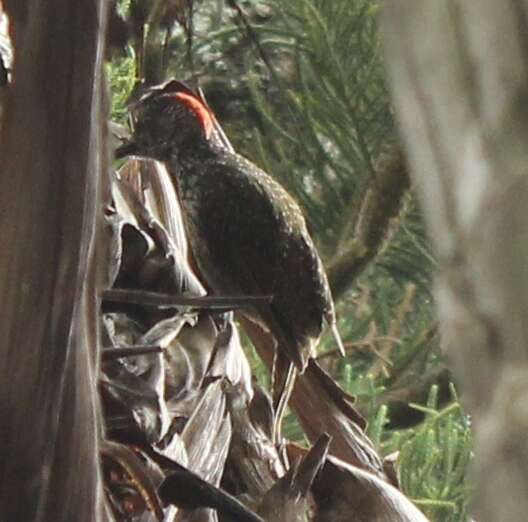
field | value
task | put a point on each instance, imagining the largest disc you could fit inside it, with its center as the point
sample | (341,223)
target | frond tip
(337,338)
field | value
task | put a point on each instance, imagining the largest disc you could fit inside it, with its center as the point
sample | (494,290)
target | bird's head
(166,120)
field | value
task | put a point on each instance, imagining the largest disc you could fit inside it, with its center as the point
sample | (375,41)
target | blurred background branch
(465,130)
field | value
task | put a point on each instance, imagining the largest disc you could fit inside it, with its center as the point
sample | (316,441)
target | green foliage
(323,107)
(434,459)
(121,77)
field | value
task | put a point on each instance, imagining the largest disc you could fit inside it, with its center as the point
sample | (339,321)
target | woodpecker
(247,234)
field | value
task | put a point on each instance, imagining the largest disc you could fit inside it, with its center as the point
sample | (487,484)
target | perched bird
(248,236)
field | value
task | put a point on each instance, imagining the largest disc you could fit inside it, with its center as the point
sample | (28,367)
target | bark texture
(459,76)
(52,159)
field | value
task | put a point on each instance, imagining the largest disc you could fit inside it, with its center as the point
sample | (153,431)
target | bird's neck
(195,151)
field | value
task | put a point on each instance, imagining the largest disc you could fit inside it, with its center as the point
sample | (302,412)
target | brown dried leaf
(289,500)
(253,459)
(322,406)
(346,493)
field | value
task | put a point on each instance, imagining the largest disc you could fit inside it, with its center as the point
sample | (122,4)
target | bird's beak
(127,148)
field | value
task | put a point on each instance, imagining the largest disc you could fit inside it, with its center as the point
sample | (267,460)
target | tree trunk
(458,72)
(52,157)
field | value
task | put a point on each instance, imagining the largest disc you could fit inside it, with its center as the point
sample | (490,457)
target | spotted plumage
(249,237)
(247,234)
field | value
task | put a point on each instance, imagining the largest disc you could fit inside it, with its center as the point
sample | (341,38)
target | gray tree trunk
(50,170)
(459,77)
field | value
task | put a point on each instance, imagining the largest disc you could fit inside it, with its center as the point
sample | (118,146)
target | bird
(248,235)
